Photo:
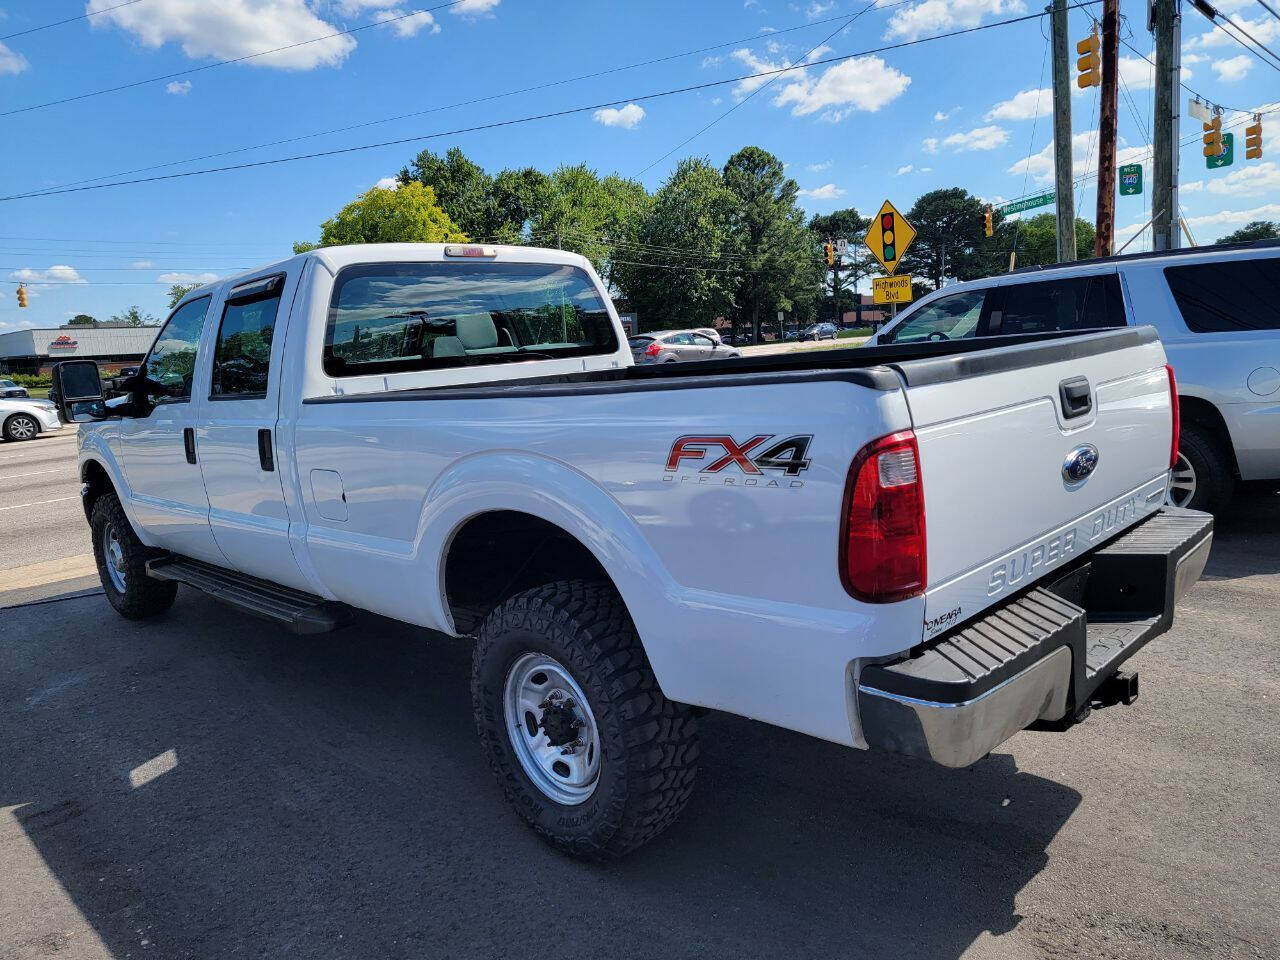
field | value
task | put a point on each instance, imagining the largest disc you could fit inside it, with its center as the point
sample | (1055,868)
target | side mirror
(78,389)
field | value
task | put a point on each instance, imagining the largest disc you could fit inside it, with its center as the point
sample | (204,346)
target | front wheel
(586,747)
(122,563)
(21,426)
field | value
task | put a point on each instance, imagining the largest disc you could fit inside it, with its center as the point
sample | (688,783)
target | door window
(242,356)
(950,318)
(1077,303)
(705,342)
(1227,296)
(171,364)
(680,340)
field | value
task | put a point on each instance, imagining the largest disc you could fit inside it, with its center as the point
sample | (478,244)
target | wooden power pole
(1166,23)
(1063,177)
(1106,225)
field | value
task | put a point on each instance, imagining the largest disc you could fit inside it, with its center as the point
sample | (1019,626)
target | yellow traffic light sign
(987,228)
(22,295)
(829,251)
(889,236)
(1253,139)
(1213,136)
(1090,64)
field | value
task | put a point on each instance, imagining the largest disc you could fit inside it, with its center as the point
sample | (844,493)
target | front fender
(96,447)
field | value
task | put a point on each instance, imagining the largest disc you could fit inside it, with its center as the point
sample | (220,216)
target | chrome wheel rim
(22,428)
(552,729)
(113,558)
(1182,482)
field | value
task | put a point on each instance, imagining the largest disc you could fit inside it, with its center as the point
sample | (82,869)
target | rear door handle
(189,443)
(1076,398)
(265,457)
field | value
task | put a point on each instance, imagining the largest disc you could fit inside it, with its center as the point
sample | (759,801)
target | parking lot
(204,785)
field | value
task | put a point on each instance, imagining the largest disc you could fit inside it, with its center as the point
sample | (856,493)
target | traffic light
(22,295)
(987,228)
(887,239)
(1213,136)
(1253,139)
(829,251)
(1090,64)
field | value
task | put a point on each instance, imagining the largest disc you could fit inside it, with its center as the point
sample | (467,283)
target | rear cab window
(1072,303)
(392,317)
(1228,296)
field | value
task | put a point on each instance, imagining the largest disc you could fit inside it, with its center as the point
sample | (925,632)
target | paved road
(204,786)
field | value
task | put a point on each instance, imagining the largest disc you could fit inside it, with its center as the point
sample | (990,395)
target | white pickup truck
(456,437)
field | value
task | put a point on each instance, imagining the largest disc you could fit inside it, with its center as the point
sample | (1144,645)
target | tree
(135,317)
(778,268)
(1253,230)
(408,214)
(462,188)
(590,216)
(1036,241)
(949,238)
(857,264)
(178,291)
(82,320)
(691,211)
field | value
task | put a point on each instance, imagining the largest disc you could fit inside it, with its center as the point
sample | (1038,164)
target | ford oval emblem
(1080,462)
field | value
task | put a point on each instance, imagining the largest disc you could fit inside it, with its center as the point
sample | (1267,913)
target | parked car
(671,346)
(11,390)
(1217,310)
(819,331)
(26,419)
(628,544)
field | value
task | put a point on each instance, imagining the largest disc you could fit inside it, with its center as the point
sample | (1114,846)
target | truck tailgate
(1007,439)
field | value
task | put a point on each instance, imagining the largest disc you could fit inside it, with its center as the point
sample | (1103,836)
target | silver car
(673,346)
(12,390)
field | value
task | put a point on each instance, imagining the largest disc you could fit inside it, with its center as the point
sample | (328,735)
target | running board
(299,612)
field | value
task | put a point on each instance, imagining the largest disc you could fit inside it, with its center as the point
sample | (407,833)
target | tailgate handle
(1076,400)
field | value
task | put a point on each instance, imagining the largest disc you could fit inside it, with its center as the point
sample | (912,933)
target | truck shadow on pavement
(1246,537)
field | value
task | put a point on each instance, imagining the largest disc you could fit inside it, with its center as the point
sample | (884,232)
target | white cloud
(828,191)
(979,138)
(141,264)
(817,9)
(716,101)
(388,183)
(930,144)
(1226,218)
(755,65)
(231,28)
(940,115)
(626,117)
(404,23)
(187,278)
(58,273)
(924,169)
(905,169)
(11,61)
(1252,180)
(819,167)
(474,7)
(1232,69)
(864,83)
(938,16)
(1264,30)
(1139,74)
(1023,105)
(1084,158)
(179,88)
(711,61)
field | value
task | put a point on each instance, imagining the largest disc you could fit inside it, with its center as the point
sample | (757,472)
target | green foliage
(949,230)
(82,320)
(305,246)
(409,214)
(1036,241)
(135,317)
(178,291)
(29,380)
(1254,230)
(488,209)
(857,264)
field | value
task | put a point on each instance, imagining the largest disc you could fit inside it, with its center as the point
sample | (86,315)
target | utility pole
(1106,224)
(1063,177)
(835,290)
(1166,23)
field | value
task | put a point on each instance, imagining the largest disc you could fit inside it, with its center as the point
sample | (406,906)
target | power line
(223,63)
(58,23)
(1270,9)
(553,114)
(1213,14)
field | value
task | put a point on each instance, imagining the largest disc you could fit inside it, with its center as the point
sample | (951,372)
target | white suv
(1217,310)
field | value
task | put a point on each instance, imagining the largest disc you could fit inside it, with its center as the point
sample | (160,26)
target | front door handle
(189,443)
(265,457)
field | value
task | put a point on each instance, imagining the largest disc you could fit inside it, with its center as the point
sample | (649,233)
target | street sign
(1030,203)
(891,289)
(1131,180)
(842,247)
(889,236)
(1226,156)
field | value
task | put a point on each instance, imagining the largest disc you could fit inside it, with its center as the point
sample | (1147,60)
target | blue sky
(952,111)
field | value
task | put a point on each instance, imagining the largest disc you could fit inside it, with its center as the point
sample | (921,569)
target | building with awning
(112,346)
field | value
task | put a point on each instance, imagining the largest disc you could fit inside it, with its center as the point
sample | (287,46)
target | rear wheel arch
(1204,414)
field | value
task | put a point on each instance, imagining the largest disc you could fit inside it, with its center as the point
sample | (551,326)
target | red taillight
(882,551)
(653,349)
(1177,417)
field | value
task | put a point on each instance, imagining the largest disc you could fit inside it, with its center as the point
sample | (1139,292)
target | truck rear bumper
(1040,656)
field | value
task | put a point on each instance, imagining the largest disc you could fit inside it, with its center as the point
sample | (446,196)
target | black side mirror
(77,388)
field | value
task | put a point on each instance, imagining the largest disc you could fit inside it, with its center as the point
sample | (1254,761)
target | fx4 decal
(714,454)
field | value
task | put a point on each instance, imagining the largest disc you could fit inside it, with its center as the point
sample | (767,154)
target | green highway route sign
(1131,180)
(1226,156)
(1029,203)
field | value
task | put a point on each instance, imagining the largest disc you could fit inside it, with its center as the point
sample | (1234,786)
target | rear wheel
(586,747)
(1203,478)
(122,563)
(21,426)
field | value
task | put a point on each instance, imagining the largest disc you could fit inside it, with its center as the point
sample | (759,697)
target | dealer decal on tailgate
(714,455)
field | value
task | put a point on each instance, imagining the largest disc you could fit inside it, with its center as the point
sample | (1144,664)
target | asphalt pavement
(203,785)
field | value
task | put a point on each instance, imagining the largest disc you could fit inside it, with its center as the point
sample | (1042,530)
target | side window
(951,318)
(680,340)
(171,364)
(700,341)
(1228,296)
(1078,303)
(242,355)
